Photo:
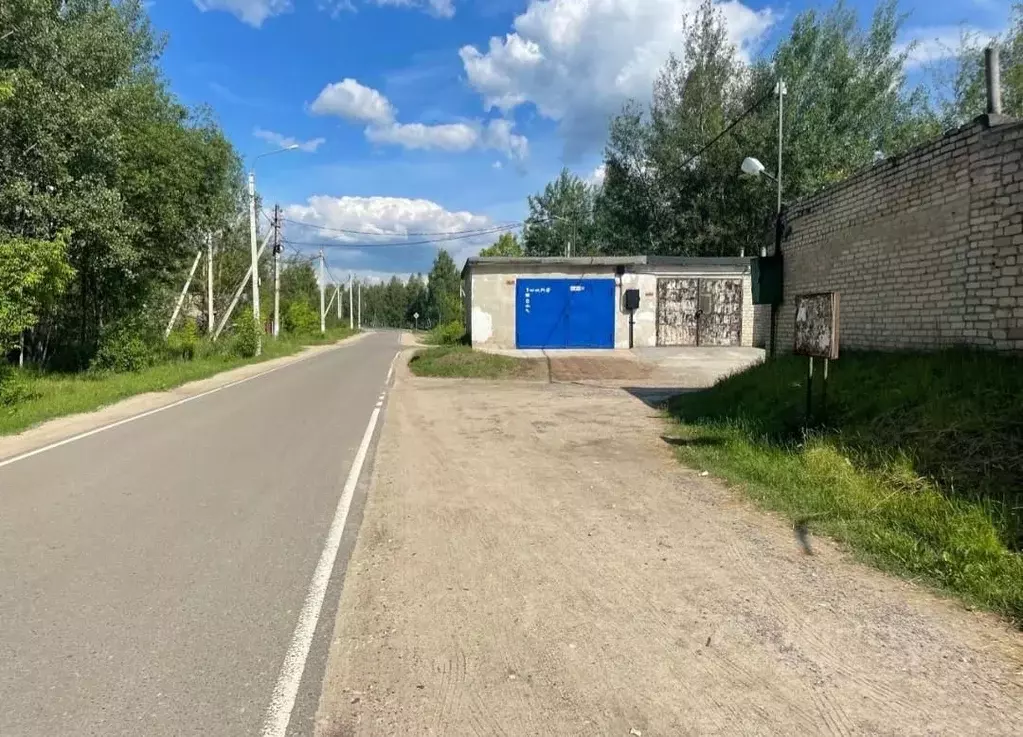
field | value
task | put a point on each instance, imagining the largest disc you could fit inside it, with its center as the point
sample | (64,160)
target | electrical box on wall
(631,299)
(767,280)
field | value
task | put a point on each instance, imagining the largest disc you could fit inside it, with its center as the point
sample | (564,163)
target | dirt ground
(533,561)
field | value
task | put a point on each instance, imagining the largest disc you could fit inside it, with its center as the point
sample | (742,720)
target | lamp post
(253,249)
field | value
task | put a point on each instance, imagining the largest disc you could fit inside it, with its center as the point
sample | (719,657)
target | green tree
(444,289)
(33,274)
(560,215)
(95,144)
(666,192)
(507,245)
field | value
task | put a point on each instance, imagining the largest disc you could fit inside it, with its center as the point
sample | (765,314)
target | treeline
(396,303)
(665,191)
(107,182)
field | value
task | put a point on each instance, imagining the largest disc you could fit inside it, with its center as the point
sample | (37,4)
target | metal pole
(781,123)
(181,297)
(993,79)
(211,321)
(323,286)
(277,271)
(351,311)
(809,392)
(255,263)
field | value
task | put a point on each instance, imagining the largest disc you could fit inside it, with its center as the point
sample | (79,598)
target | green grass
(56,395)
(917,466)
(463,362)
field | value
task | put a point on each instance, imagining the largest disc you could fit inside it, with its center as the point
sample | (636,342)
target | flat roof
(583,261)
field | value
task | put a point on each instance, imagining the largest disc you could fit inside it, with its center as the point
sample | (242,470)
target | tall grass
(918,463)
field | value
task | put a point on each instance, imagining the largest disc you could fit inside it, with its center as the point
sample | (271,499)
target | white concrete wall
(490,296)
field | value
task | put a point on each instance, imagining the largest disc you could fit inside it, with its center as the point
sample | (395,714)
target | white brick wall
(925,249)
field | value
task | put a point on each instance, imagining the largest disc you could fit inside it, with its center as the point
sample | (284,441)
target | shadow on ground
(656,396)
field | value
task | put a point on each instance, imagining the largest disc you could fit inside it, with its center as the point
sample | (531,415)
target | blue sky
(433,116)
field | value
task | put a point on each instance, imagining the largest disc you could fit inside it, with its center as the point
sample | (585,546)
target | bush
(246,335)
(451,333)
(13,387)
(300,319)
(126,346)
(182,343)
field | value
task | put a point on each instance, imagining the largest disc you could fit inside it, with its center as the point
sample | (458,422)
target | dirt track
(533,562)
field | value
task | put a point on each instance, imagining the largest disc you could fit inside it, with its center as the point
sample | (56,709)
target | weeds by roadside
(454,361)
(918,467)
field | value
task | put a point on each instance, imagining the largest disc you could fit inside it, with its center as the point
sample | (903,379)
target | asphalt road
(151,576)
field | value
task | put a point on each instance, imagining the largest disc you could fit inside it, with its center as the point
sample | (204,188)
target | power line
(475,231)
(400,244)
(725,132)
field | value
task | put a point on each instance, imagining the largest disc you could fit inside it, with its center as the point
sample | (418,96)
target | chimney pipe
(993,78)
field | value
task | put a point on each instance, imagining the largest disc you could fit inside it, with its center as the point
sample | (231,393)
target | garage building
(582,302)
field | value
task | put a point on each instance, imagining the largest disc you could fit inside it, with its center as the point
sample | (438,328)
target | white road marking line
(282,701)
(126,420)
(390,373)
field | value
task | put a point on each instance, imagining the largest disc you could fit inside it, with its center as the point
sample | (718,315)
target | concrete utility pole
(360,305)
(277,270)
(993,80)
(238,294)
(781,121)
(323,285)
(210,318)
(181,297)
(351,311)
(255,263)
(337,293)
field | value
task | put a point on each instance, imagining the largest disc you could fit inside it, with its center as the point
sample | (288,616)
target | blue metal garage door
(565,313)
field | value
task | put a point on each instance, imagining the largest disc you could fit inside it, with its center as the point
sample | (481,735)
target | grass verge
(57,395)
(456,361)
(918,465)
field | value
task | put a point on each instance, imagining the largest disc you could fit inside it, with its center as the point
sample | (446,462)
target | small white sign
(415,315)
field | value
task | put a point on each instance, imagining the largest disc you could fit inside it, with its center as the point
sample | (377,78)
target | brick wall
(925,249)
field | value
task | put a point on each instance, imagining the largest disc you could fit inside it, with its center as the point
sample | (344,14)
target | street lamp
(253,250)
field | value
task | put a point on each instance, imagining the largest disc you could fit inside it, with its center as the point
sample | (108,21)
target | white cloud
(578,61)
(596,177)
(926,45)
(253,12)
(380,219)
(447,137)
(497,165)
(499,136)
(355,102)
(350,100)
(439,8)
(384,220)
(281,141)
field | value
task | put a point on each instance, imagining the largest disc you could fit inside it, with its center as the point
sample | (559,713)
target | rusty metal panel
(816,332)
(720,312)
(677,305)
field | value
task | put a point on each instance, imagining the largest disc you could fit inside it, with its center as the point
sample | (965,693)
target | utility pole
(360,305)
(323,285)
(277,270)
(781,106)
(337,293)
(351,311)
(210,318)
(181,297)
(255,263)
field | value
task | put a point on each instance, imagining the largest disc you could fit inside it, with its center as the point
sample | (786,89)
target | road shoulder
(533,560)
